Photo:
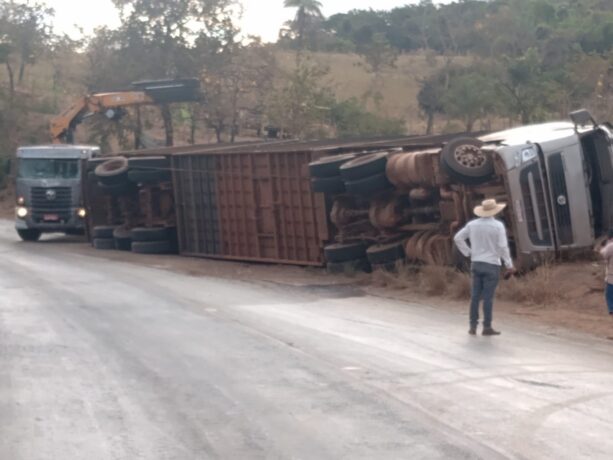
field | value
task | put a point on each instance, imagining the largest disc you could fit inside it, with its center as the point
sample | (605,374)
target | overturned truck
(357,204)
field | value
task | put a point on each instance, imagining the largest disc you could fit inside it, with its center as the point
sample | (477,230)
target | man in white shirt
(488,246)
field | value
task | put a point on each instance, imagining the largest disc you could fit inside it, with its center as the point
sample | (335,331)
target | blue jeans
(609,297)
(485,280)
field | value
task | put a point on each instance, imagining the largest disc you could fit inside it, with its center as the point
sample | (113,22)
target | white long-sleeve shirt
(607,254)
(488,242)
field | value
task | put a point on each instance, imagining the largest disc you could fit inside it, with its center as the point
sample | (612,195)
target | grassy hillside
(347,77)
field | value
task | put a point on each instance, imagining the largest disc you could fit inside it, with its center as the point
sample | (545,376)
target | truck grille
(559,199)
(51,200)
(533,195)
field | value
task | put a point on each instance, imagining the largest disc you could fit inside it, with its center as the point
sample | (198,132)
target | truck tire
(349,267)
(93,163)
(150,234)
(152,247)
(123,244)
(369,185)
(329,166)
(384,254)
(345,252)
(116,189)
(364,166)
(138,176)
(29,234)
(328,185)
(153,163)
(103,232)
(113,171)
(104,244)
(465,161)
(123,239)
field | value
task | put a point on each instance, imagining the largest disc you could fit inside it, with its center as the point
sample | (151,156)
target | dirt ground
(568,296)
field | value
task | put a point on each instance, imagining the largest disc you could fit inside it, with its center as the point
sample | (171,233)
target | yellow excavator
(113,104)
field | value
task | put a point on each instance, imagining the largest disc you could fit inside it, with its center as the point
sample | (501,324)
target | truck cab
(559,180)
(48,189)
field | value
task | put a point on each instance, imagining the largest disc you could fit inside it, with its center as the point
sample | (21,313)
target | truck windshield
(48,168)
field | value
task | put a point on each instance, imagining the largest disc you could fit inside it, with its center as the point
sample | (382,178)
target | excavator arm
(62,126)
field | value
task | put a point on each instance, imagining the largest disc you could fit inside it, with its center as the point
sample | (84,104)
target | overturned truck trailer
(405,204)
(357,204)
(248,202)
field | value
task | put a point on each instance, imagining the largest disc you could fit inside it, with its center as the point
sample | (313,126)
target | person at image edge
(607,253)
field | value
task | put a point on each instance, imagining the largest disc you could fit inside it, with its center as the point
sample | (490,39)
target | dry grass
(427,280)
(349,78)
(444,282)
(539,287)
(545,286)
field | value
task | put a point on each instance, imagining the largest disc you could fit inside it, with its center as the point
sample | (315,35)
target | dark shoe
(490,331)
(473,330)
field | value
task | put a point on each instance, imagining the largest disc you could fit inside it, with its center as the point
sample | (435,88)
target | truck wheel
(329,166)
(464,160)
(30,234)
(150,234)
(328,185)
(116,189)
(123,244)
(365,166)
(149,163)
(93,163)
(349,267)
(113,171)
(139,176)
(384,254)
(345,252)
(369,185)
(123,239)
(104,244)
(103,232)
(152,247)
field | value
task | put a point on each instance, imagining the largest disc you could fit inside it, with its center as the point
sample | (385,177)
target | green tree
(378,56)
(25,31)
(351,119)
(158,40)
(430,98)
(471,96)
(301,108)
(526,90)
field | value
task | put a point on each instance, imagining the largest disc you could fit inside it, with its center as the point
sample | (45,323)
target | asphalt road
(105,360)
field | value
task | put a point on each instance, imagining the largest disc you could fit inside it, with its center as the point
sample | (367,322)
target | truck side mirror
(582,117)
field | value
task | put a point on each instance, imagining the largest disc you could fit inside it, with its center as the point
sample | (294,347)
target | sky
(261,17)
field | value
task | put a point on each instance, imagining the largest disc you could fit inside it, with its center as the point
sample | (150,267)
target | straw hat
(489,208)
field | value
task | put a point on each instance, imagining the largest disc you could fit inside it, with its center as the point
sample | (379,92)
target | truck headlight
(21,212)
(529,154)
(82,213)
(21,201)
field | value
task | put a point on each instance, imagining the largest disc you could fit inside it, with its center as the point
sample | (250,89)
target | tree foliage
(487,62)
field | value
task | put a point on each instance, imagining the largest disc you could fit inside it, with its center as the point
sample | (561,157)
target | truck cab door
(598,152)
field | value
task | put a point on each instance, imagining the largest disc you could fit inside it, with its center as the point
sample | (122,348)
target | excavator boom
(62,126)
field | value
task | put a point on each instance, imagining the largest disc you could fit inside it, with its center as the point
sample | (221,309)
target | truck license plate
(51,217)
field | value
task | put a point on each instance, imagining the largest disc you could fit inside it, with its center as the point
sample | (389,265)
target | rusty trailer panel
(249,206)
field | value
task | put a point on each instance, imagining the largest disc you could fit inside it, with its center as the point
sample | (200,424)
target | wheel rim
(470,156)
